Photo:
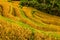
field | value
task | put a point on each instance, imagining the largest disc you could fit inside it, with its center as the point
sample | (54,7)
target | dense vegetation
(27,23)
(48,6)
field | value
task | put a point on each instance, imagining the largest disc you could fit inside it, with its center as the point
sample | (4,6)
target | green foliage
(48,6)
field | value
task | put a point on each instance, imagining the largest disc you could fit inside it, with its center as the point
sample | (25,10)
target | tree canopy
(48,6)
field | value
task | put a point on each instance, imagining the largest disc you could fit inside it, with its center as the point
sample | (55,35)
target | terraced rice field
(27,23)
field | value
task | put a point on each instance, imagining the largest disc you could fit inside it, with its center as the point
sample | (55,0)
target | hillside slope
(27,23)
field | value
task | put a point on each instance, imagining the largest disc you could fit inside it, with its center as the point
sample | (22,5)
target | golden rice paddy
(27,23)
